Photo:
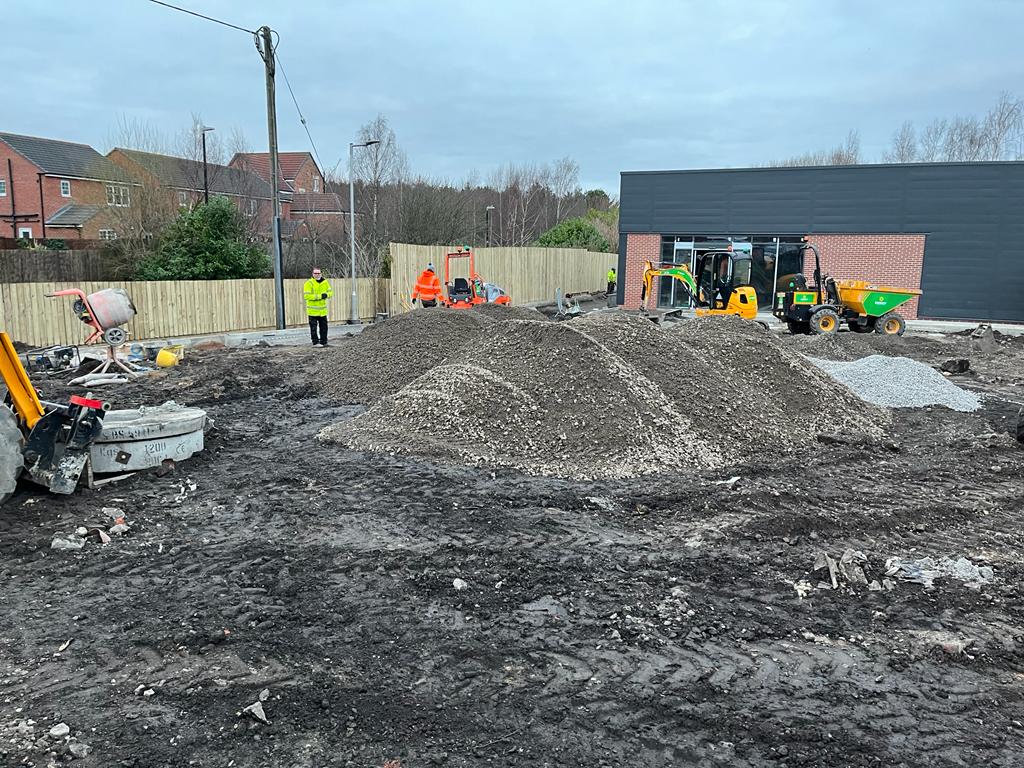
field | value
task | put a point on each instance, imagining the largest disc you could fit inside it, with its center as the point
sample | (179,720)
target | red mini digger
(472,291)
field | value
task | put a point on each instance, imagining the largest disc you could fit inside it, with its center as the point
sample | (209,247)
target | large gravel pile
(389,355)
(606,396)
(899,382)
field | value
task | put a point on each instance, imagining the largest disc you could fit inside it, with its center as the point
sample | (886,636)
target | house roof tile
(73,215)
(64,158)
(182,173)
(259,162)
(324,202)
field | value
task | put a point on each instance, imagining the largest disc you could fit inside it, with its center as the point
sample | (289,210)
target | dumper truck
(864,307)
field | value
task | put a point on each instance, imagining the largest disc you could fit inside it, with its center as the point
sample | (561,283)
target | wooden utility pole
(265,46)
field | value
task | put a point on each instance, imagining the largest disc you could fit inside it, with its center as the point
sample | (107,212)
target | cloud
(470,85)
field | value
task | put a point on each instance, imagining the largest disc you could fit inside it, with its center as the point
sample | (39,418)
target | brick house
(177,182)
(299,171)
(953,230)
(58,190)
(317,213)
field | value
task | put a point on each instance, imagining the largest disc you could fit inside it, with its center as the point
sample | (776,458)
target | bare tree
(999,135)
(933,141)
(847,153)
(904,145)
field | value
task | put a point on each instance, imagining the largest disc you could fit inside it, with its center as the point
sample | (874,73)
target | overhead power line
(302,118)
(201,16)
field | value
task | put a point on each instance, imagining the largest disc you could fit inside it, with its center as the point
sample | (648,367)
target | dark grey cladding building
(955,228)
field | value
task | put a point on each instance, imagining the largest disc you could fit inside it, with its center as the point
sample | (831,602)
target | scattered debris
(849,569)
(65,645)
(899,382)
(255,711)
(66,541)
(926,570)
(459,585)
(730,482)
(114,513)
(60,731)
(79,750)
(956,365)
(983,339)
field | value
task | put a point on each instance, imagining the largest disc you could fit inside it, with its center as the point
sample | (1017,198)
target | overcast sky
(471,84)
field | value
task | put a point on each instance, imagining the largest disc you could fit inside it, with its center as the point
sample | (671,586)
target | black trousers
(318,324)
(611,288)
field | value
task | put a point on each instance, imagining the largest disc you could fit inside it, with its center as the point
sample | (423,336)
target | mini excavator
(721,286)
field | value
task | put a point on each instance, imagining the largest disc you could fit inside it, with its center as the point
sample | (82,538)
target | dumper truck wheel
(825,321)
(891,324)
(12,462)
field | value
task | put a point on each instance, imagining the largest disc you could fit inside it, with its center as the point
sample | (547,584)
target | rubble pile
(389,355)
(606,396)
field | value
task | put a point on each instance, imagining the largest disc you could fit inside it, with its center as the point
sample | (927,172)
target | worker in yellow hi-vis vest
(611,280)
(317,291)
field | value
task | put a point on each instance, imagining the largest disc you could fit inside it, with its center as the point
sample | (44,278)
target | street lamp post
(489,209)
(206,184)
(354,318)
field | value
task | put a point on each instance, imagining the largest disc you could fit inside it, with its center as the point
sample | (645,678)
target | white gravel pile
(899,382)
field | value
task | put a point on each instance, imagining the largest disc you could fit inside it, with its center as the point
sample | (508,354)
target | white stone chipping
(899,382)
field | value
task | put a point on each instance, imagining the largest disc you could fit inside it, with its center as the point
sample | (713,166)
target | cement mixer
(105,311)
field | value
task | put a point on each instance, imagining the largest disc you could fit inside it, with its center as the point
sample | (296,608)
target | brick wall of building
(639,249)
(303,180)
(23,189)
(883,259)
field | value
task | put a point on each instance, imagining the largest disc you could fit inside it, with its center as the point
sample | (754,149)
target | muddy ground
(654,622)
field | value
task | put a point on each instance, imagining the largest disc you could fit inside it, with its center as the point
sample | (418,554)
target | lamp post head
(206,128)
(489,208)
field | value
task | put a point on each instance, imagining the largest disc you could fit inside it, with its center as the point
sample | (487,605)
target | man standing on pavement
(428,287)
(317,291)
(611,281)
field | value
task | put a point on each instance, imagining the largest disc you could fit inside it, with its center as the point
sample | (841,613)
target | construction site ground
(400,612)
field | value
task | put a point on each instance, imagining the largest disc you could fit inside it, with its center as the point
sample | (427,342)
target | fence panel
(169,309)
(528,275)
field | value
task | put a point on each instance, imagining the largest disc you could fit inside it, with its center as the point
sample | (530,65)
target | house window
(108,234)
(316,184)
(117,195)
(65,188)
(25,233)
(3,187)
(182,200)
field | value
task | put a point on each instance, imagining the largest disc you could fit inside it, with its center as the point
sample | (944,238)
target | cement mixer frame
(113,335)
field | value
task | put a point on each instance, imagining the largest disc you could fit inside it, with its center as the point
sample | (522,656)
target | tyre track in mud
(613,624)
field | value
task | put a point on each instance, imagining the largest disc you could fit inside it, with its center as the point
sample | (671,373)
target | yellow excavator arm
(23,394)
(679,272)
(742,300)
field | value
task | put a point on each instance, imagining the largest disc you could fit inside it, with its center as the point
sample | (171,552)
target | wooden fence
(172,309)
(528,275)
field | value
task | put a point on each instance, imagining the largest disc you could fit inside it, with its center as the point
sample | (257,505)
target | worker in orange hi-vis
(428,288)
